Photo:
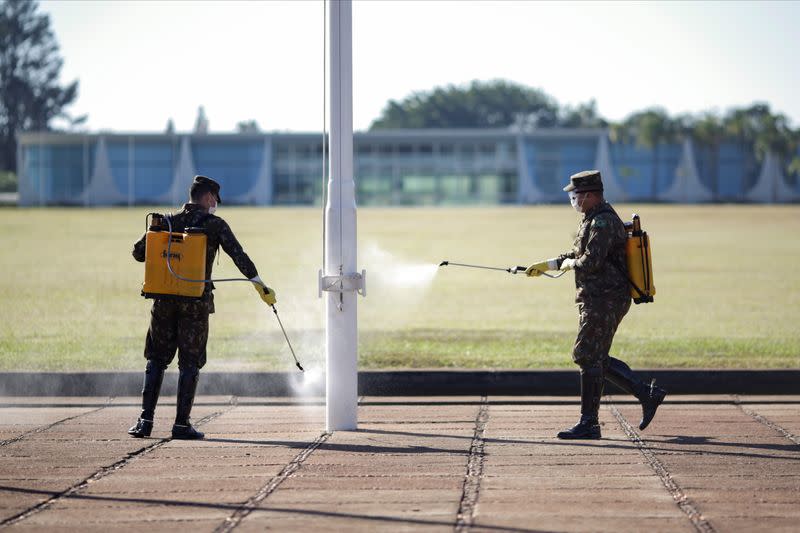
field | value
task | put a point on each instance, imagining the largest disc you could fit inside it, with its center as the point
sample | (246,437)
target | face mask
(212,210)
(573,200)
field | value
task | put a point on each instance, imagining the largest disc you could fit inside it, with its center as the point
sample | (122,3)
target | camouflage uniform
(182,324)
(602,290)
(603,298)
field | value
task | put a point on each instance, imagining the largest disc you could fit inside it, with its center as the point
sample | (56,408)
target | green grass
(728,290)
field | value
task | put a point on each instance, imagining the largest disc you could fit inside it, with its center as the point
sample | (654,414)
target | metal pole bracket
(344,283)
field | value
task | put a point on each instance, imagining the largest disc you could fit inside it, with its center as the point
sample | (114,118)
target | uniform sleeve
(600,243)
(567,255)
(139,248)
(232,247)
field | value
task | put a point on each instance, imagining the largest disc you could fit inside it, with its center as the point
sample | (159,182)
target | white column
(341,332)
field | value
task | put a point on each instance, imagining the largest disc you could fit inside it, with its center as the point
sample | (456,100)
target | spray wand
(296,362)
(510,270)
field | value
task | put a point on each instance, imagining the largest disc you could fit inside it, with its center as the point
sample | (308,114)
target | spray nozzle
(300,367)
(444,263)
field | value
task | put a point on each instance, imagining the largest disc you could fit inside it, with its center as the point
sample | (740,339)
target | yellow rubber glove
(542,266)
(266,294)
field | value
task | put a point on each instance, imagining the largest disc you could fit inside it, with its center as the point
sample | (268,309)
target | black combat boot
(650,396)
(187,385)
(153,376)
(591,391)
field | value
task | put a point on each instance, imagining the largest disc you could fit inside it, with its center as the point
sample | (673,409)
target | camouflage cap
(588,180)
(205,184)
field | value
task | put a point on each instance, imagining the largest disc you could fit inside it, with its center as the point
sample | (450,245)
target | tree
(247,126)
(492,104)
(708,132)
(652,128)
(30,94)
(582,116)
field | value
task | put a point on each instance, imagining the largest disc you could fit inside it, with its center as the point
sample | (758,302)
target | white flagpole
(340,279)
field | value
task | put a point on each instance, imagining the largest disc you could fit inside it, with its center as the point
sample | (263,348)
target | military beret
(588,180)
(205,184)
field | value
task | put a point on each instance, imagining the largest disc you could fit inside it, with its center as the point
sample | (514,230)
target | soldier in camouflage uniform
(603,298)
(178,323)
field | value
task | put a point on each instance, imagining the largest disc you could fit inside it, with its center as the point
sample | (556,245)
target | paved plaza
(707,463)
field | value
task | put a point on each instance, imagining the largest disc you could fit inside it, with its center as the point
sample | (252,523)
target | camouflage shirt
(600,240)
(218,233)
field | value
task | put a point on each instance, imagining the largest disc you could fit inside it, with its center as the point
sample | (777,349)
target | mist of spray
(389,270)
(388,276)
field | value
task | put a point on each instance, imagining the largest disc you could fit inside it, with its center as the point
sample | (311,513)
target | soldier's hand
(266,294)
(542,266)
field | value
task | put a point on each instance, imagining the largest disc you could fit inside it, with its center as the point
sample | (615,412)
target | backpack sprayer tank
(187,257)
(640,265)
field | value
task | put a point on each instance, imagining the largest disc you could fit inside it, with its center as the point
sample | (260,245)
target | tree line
(505,104)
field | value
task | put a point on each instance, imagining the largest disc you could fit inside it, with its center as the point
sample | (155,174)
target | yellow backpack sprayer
(187,250)
(175,265)
(640,263)
(637,254)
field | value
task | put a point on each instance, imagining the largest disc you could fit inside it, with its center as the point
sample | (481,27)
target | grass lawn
(728,289)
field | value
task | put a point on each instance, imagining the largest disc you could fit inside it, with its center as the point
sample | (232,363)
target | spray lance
(510,270)
(178,276)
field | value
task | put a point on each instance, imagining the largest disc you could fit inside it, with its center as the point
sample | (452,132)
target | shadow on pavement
(235,507)
(351,448)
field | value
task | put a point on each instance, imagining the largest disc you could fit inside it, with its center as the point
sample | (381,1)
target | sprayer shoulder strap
(626,276)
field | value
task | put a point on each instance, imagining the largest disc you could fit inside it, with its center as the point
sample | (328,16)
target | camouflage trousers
(180,325)
(597,324)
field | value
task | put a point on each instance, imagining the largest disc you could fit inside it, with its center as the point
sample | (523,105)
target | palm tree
(709,133)
(652,128)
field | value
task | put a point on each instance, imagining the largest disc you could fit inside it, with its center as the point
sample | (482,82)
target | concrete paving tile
(89,503)
(143,486)
(108,513)
(376,483)
(778,484)
(200,473)
(535,524)
(155,525)
(575,471)
(777,524)
(442,509)
(522,483)
(766,494)
(545,496)
(526,462)
(378,461)
(765,510)
(570,508)
(398,469)
(347,496)
(341,520)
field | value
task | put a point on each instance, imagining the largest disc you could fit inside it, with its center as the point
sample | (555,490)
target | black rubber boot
(650,396)
(153,376)
(591,390)
(187,385)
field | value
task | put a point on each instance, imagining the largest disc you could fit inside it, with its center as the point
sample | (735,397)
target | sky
(143,63)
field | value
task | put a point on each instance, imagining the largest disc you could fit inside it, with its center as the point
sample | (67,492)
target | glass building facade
(393,167)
